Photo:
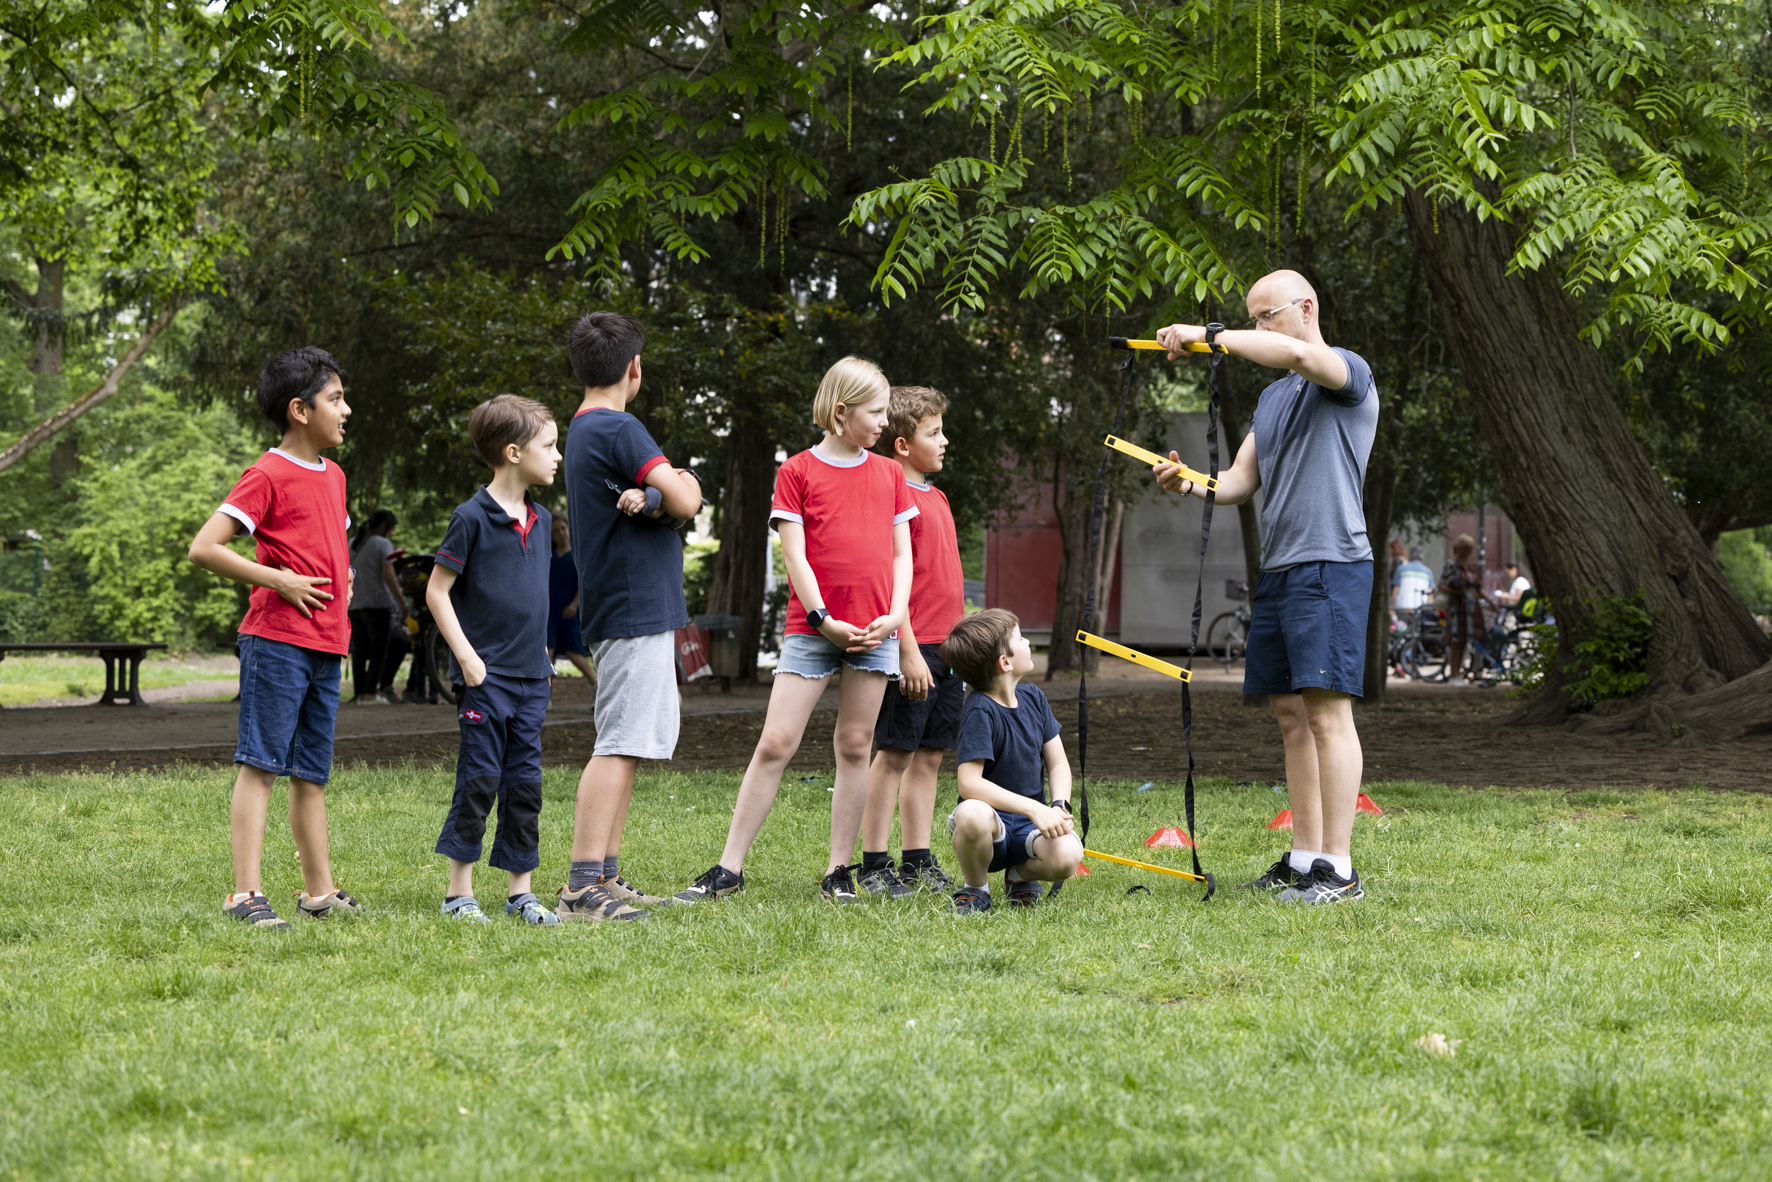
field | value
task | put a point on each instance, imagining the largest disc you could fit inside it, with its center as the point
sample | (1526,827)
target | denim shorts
(1309,629)
(288,704)
(815,656)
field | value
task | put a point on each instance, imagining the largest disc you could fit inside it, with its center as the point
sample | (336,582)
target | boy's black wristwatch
(816,618)
(1063,804)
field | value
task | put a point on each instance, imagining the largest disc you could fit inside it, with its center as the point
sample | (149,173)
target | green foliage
(1538,659)
(698,575)
(1746,558)
(1610,661)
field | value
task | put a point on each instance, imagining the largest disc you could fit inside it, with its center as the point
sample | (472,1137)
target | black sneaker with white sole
(1323,885)
(928,876)
(715,883)
(884,880)
(838,887)
(1277,877)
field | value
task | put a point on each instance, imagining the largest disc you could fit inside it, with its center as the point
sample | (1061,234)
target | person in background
(377,595)
(1517,585)
(564,595)
(1463,583)
(1412,586)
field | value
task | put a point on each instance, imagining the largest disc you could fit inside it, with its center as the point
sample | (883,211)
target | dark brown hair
(505,419)
(976,642)
(601,347)
(909,407)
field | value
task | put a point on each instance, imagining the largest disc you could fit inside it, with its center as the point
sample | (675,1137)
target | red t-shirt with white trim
(849,509)
(938,588)
(295,511)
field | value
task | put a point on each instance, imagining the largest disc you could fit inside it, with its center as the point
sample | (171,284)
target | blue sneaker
(466,908)
(530,909)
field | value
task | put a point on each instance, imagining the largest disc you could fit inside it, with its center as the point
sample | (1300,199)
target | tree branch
(99,394)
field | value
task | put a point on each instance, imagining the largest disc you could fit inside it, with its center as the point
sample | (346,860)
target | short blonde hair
(1463,546)
(853,381)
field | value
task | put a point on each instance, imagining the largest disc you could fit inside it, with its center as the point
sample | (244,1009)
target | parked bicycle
(1227,638)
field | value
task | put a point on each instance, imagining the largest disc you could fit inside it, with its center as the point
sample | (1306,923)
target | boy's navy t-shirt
(1009,741)
(501,589)
(630,569)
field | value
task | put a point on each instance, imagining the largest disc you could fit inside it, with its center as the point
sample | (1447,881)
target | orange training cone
(1082,870)
(1169,837)
(1282,821)
(1365,804)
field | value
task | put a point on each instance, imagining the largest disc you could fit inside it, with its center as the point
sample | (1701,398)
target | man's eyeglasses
(1263,319)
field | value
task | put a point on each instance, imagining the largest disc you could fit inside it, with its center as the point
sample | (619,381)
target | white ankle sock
(1343,863)
(1301,859)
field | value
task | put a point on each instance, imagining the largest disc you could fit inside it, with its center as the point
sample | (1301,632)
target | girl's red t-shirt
(849,509)
(295,511)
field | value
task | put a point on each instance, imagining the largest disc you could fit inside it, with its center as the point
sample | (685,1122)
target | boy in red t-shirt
(292,501)
(920,715)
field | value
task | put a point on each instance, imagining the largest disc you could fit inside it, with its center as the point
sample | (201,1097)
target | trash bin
(722,647)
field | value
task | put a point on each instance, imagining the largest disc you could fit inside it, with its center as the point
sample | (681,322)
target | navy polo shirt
(501,590)
(630,569)
(1009,741)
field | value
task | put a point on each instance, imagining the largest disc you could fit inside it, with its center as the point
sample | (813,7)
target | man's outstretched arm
(1318,363)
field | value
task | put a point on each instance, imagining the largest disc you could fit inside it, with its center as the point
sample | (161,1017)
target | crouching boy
(489,596)
(1009,747)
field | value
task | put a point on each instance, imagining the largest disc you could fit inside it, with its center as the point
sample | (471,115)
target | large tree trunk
(1380,496)
(1597,518)
(1073,501)
(741,564)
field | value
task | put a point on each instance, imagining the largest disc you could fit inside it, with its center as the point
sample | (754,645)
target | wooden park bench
(117,693)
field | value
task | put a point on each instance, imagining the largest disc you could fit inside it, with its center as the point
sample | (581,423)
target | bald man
(1307,447)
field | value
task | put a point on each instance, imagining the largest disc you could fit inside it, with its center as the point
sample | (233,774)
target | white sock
(1301,859)
(983,890)
(1343,863)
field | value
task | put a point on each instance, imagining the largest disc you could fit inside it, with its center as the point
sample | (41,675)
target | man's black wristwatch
(816,617)
(1212,331)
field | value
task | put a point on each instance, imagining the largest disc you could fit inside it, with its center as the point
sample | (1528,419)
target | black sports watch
(816,618)
(1212,331)
(1063,804)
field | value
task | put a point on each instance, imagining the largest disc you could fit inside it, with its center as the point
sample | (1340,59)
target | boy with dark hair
(1008,738)
(920,715)
(292,501)
(623,499)
(489,595)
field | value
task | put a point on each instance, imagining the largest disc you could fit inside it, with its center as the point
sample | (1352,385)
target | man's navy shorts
(288,703)
(499,764)
(1309,629)
(934,722)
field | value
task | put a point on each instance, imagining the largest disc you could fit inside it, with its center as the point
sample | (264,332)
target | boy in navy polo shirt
(489,596)
(625,502)
(1007,738)
(292,501)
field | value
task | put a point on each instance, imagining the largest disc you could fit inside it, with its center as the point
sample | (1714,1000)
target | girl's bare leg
(791,701)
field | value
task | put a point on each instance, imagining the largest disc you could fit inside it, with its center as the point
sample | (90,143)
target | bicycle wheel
(1425,660)
(1227,639)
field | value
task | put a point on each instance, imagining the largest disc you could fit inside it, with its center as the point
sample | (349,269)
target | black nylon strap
(1210,499)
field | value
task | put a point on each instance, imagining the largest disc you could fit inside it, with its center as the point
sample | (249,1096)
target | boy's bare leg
(603,794)
(975,833)
(859,695)
(1302,789)
(1340,763)
(916,799)
(461,879)
(246,823)
(617,823)
(1055,859)
(884,779)
(307,820)
(791,701)
(520,882)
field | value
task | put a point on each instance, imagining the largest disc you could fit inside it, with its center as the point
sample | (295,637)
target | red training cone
(1365,804)
(1282,821)
(1082,870)
(1169,837)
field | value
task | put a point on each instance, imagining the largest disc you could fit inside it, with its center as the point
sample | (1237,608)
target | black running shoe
(1277,877)
(971,901)
(929,876)
(1025,894)
(1323,885)
(883,880)
(716,883)
(838,887)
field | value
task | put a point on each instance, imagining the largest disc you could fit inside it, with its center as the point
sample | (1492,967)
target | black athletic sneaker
(929,876)
(838,887)
(1025,894)
(883,880)
(716,883)
(1323,885)
(1277,877)
(971,901)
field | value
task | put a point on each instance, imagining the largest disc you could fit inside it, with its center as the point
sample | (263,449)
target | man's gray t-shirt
(1312,445)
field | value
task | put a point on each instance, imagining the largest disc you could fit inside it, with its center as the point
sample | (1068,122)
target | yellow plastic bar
(1147,866)
(1133,655)
(1209,483)
(1159,347)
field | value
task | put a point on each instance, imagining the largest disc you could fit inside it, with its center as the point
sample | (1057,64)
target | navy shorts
(288,704)
(935,721)
(500,763)
(1309,629)
(1014,843)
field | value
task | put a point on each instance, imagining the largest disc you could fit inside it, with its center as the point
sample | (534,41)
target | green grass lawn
(1598,960)
(24,679)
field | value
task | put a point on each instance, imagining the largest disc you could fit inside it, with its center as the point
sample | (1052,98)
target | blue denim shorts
(288,704)
(815,656)
(1309,629)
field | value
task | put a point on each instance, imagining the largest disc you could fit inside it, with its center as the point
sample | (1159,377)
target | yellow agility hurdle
(1133,655)
(1160,347)
(1209,483)
(1205,878)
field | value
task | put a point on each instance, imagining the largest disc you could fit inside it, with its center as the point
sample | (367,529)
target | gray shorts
(638,711)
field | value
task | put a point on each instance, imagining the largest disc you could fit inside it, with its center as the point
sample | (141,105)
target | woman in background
(375,596)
